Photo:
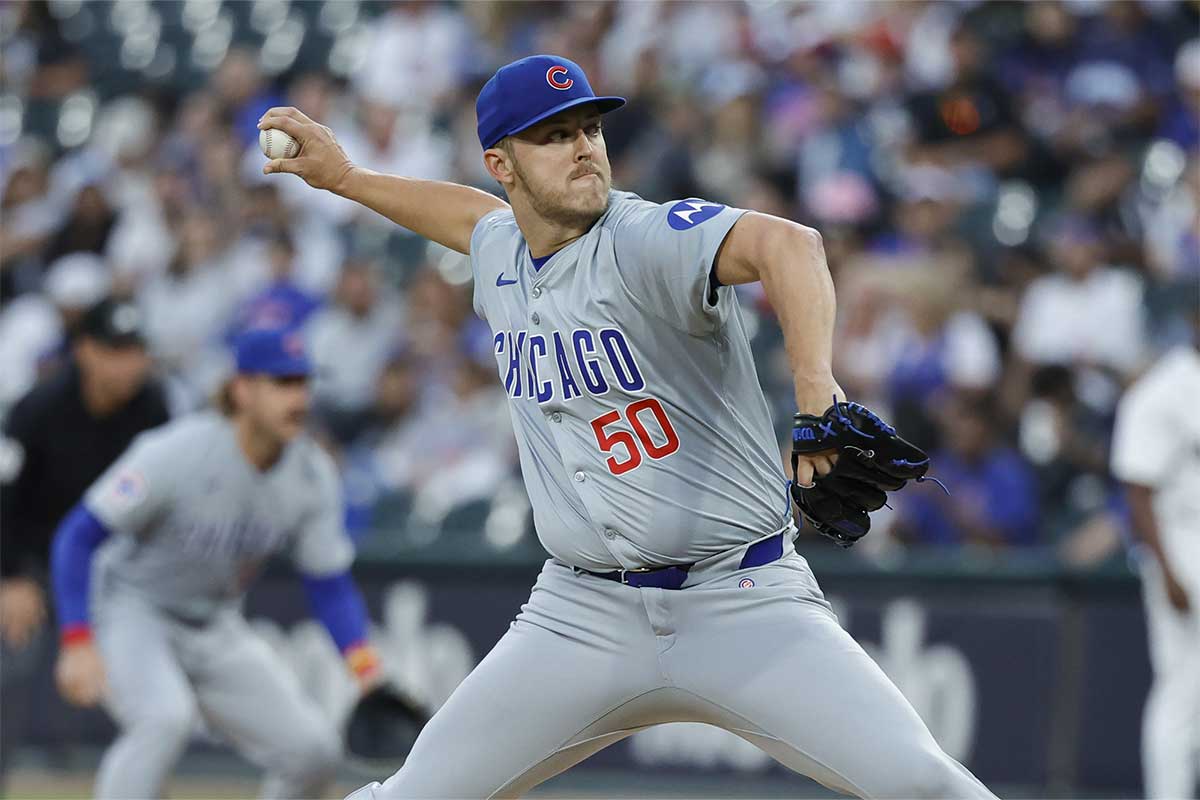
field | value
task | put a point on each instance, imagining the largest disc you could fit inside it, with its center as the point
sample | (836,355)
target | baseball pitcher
(150,569)
(673,591)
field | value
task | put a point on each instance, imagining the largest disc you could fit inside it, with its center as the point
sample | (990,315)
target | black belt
(761,552)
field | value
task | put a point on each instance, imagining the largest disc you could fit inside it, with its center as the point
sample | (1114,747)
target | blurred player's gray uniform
(645,441)
(1156,443)
(192,523)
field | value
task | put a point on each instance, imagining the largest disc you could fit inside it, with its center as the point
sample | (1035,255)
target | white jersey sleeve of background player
(1156,443)
(138,488)
(664,254)
(1146,445)
(322,546)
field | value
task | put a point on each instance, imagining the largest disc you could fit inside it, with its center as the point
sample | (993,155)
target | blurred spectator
(349,342)
(142,242)
(415,52)
(390,139)
(1173,226)
(39,60)
(1066,441)
(909,340)
(1181,118)
(991,500)
(969,125)
(283,304)
(936,350)
(1085,314)
(188,309)
(35,328)
(28,216)
(437,314)
(1036,66)
(243,92)
(458,447)
(87,226)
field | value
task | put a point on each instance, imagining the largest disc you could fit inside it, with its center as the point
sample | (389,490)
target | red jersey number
(637,413)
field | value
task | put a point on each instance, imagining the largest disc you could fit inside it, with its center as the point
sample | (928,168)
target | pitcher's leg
(548,695)
(149,697)
(252,697)
(793,682)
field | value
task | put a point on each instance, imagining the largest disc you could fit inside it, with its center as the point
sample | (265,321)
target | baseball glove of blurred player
(382,727)
(872,460)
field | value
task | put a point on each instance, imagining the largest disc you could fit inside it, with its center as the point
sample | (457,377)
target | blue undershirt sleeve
(75,542)
(337,603)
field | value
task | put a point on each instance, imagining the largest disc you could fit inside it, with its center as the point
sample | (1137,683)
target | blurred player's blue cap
(528,91)
(272,351)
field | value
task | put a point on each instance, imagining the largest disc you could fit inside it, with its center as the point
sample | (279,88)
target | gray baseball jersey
(193,521)
(643,433)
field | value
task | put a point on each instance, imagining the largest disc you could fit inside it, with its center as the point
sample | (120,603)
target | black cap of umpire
(115,323)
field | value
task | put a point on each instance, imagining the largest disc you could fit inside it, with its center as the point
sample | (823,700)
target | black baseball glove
(872,460)
(382,728)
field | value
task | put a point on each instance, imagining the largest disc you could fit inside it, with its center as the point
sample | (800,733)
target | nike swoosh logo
(500,281)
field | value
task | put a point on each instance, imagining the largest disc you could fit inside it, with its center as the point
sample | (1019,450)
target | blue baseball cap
(528,91)
(272,351)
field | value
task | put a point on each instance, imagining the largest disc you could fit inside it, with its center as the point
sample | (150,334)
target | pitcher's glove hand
(871,460)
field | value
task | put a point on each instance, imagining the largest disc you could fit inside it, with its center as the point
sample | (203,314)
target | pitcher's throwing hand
(322,162)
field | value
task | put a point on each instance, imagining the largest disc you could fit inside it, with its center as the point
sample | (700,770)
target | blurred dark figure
(350,341)
(1180,120)
(48,67)
(57,441)
(88,225)
(1067,442)
(970,121)
(27,219)
(243,92)
(371,503)
(396,396)
(992,498)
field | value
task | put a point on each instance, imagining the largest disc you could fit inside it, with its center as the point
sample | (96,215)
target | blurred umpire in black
(57,440)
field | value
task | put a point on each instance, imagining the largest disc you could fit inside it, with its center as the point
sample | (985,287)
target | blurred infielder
(1156,453)
(673,592)
(176,529)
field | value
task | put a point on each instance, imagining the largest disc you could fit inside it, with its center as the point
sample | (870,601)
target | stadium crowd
(1008,195)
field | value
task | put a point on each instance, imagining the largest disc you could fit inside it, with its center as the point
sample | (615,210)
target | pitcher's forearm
(789,260)
(443,212)
(796,281)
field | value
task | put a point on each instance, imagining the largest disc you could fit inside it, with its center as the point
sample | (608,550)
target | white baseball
(277,144)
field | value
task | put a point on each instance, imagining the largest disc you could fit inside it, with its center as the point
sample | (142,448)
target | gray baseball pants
(163,675)
(755,651)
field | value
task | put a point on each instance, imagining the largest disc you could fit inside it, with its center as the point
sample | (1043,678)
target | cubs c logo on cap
(553,78)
